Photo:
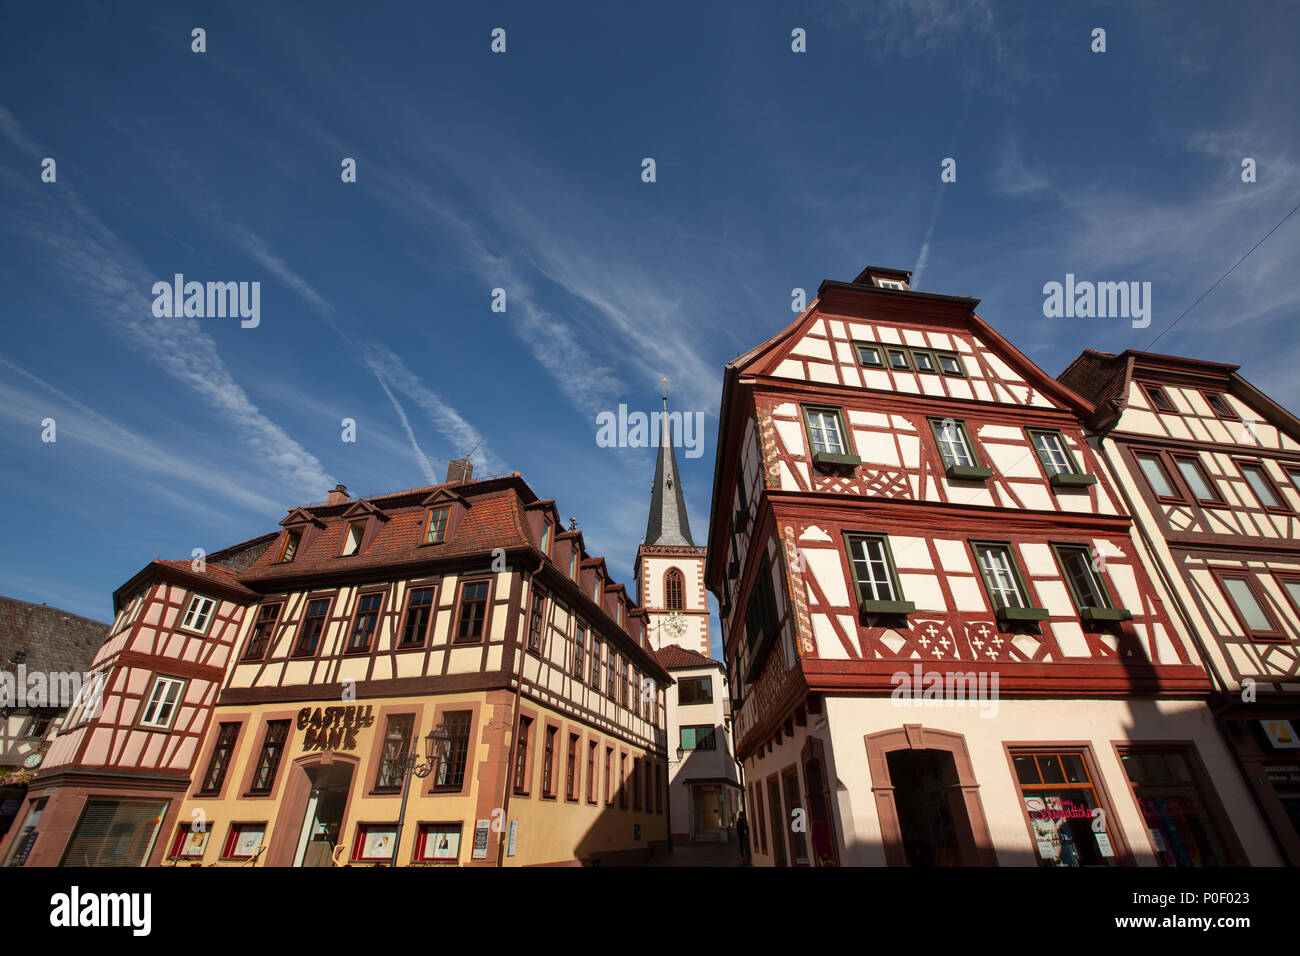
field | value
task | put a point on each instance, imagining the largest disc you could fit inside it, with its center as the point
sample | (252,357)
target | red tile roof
(674,657)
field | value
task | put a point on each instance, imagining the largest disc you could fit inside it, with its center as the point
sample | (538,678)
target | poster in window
(248,840)
(378,843)
(441,843)
(193,844)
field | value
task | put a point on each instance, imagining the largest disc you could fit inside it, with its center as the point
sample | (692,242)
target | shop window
(114,833)
(1174,808)
(438,843)
(1066,820)
(375,843)
(244,841)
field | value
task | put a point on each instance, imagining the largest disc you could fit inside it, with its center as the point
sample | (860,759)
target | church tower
(669,567)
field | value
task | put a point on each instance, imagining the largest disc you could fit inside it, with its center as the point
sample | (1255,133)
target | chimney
(459,470)
(337,496)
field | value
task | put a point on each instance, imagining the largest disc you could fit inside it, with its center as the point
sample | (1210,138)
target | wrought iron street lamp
(408,764)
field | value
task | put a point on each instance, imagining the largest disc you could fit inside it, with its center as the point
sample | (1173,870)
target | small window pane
(1192,475)
(824,430)
(870,355)
(1026,769)
(950,364)
(1259,484)
(1052,453)
(1050,765)
(898,359)
(1244,597)
(1155,474)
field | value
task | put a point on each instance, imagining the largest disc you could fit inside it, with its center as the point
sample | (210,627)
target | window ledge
(968,472)
(1023,613)
(1072,480)
(1110,614)
(826,459)
(887,607)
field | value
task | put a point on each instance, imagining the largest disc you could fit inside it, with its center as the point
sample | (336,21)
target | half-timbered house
(942,643)
(1210,468)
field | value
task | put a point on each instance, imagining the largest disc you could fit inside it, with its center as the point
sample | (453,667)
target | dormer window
(546,539)
(1159,398)
(435,531)
(289,547)
(595,591)
(573,564)
(352,538)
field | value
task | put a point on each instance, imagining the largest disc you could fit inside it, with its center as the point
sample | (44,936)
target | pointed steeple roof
(668,523)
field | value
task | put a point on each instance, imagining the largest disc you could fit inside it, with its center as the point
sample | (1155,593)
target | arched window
(673,590)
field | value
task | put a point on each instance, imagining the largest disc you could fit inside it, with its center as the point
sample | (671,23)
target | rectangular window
(898,360)
(1086,587)
(1262,485)
(573,564)
(352,538)
(455,752)
(263,631)
(535,622)
(595,662)
(760,620)
(871,356)
(1055,457)
(111,833)
(873,568)
(622,680)
(375,842)
(609,770)
(622,781)
(924,361)
(546,539)
(579,651)
(592,749)
(419,608)
(1158,398)
(160,709)
(1001,575)
(1157,478)
(825,431)
(521,756)
(798,846)
(1250,606)
(1196,479)
(571,778)
(289,546)
(313,626)
(363,628)
(548,762)
(1062,805)
(611,682)
(244,841)
(954,444)
(191,841)
(950,364)
(438,843)
(1219,405)
(199,614)
(473,612)
(392,760)
(220,761)
(756,791)
(635,784)
(268,762)
(435,531)
(695,690)
(1174,808)
(698,737)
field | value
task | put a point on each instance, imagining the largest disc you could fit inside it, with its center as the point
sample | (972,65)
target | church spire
(668,523)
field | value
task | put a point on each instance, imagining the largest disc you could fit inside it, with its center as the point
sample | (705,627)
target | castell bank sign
(334,728)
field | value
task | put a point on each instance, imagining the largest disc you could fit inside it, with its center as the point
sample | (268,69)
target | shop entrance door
(324,818)
(931,813)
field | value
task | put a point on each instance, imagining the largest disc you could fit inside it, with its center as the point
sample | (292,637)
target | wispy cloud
(114,280)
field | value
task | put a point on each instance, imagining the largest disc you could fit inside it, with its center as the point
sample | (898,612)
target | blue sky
(522,171)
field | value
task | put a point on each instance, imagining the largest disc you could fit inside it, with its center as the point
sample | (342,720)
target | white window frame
(950,436)
(892,284)
(881,585)
(1000,574)
(155,702)
(826,422)
(192,613)
(1056,460)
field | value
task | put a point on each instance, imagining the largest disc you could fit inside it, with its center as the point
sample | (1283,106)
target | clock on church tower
(669,566)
